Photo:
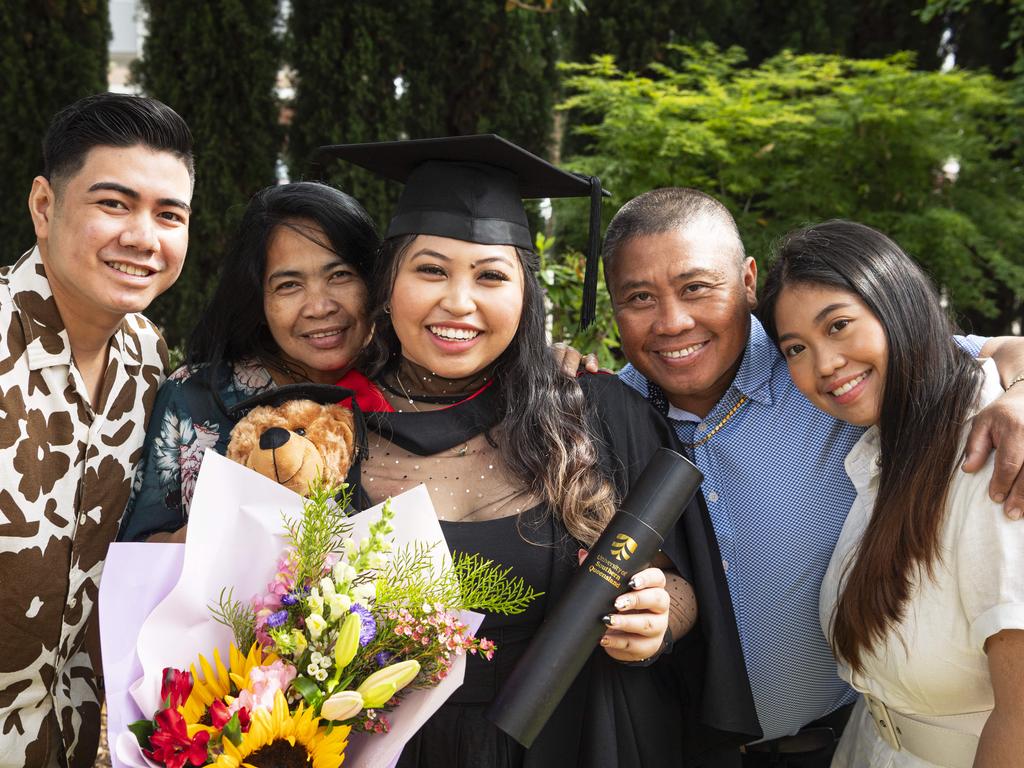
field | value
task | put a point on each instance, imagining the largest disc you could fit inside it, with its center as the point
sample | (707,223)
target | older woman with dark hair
(291,306)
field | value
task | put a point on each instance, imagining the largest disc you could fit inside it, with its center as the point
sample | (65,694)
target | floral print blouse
(187,421)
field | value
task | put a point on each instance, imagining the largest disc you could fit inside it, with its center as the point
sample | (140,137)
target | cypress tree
(51,54)
(216,63)
(345,58)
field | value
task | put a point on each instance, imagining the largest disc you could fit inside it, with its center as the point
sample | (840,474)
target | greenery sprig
(321,529)
(472,583)
(237,616)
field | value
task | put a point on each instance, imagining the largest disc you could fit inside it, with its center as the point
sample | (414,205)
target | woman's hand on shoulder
(636,631)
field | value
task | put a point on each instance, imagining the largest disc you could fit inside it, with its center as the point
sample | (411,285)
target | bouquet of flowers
(345,629)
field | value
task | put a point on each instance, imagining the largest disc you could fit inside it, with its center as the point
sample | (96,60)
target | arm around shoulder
(1002,740)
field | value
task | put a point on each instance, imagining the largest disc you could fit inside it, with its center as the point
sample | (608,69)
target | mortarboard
(471,188)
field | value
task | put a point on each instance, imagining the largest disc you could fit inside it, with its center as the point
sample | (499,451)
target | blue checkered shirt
(777,492)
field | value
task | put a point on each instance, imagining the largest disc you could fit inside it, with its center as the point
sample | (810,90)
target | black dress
(615,715)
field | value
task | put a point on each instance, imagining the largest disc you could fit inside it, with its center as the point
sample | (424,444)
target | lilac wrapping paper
(160,593)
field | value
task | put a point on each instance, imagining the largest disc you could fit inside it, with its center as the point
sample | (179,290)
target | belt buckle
(883,722)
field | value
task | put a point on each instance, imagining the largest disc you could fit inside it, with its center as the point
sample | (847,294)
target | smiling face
(682,302)
(113,236)
(836,349)
(314,302)
(455,305)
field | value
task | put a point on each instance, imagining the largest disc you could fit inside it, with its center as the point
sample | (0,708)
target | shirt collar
(753,378)
(46,339)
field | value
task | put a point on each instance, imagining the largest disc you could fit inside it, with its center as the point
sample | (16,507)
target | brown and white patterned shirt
(65,475)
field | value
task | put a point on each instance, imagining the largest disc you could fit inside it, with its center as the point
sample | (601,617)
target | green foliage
(800,139)
(562,280)
(216,63)
(51,54)
(368,71)
(320,530)
(473,583)
(236,616)
(345,58)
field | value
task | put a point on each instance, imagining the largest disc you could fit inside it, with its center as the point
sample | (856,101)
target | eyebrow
(825,312)
(332,264)
(689,274)
(473,265)
(113,186)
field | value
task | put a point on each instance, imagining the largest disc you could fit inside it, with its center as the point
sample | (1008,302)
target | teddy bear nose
(273,438)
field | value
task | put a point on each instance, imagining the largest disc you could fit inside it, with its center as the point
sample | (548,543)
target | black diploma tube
(570,633)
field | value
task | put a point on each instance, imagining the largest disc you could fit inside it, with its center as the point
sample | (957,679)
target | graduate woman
(525,466)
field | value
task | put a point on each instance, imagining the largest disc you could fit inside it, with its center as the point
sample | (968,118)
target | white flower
(316,657)
(316,625)
(314,601)
(365,592)
(339,603)
(427,608)
(343,572)
(321,675)
(312,669)
(327,586)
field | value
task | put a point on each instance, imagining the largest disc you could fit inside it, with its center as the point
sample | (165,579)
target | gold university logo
(623,547)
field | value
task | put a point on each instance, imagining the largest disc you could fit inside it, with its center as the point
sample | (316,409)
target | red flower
(176,687)
(219,714)
(170,743)
(243,719)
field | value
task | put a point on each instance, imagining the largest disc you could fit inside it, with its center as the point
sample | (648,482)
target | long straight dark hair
(559,461)
(930,387)
(233,326)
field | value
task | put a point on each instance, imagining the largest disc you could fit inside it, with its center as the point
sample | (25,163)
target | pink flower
(264,682)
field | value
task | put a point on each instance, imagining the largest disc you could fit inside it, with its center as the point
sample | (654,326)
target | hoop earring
(387,307)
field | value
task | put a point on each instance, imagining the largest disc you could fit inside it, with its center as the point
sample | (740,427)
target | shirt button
(712,497)
(725,565)
(83,518)
(701,427)
(72,603)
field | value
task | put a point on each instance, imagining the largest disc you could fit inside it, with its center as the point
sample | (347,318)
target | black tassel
(588,308)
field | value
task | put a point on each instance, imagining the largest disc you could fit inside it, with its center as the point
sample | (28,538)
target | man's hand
(570,359)
(1000,426)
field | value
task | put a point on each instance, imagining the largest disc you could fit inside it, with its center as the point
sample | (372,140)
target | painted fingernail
(1014,514)
(607,619)
(636,582)
(622,602)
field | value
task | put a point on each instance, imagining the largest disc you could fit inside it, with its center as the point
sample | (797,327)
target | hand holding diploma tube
(587,608)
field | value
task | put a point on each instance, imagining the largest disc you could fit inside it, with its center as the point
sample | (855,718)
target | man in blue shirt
(683,289)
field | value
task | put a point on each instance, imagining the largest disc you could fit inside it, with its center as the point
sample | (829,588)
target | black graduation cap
(471,188)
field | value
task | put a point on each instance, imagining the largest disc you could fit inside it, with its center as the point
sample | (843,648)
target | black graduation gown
(688,703)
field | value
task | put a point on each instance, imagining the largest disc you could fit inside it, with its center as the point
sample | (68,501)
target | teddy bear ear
(341,426)
(245,435)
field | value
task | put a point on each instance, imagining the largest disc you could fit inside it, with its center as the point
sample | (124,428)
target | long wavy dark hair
(560,463)
(233,326)
(930,387)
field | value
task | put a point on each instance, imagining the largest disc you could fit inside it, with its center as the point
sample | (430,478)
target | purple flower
(383,658)
(289,599)
(277,619)
(368,628)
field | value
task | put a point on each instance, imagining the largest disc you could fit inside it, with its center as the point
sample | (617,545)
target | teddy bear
(292,441)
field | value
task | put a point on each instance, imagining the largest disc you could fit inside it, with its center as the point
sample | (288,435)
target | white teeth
(322,334)
(685,352)
(128,269)
(840,391)
(458,334)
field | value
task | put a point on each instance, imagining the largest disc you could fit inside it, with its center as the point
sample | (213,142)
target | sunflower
(216,680)
(280,737)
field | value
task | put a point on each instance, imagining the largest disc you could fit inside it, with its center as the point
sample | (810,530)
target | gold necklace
(720,424)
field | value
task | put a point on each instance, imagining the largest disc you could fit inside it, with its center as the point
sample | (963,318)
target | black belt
(820,734)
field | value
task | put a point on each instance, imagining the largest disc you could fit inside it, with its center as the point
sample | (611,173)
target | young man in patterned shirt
(79,370)
(776,488)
